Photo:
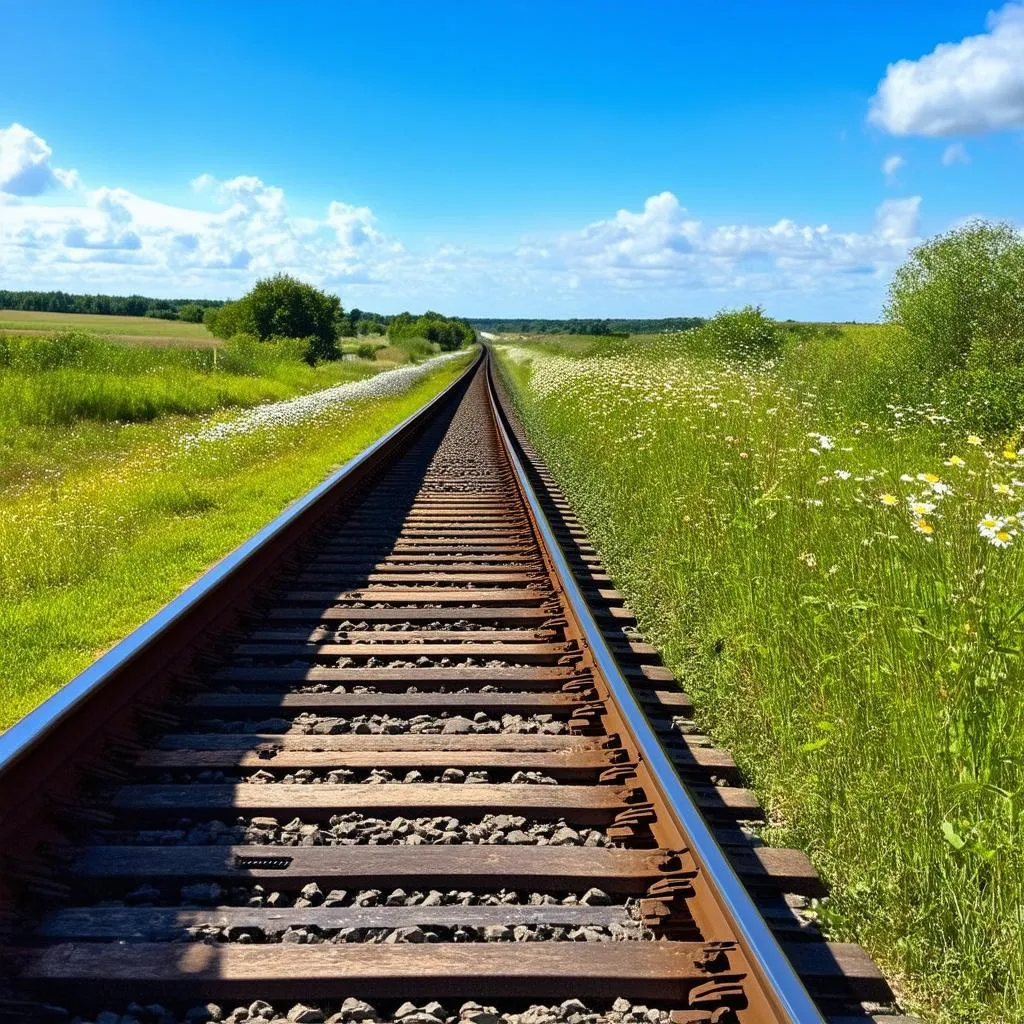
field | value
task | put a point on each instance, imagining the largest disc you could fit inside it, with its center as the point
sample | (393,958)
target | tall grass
(805,539)
(106,522)
(77,376)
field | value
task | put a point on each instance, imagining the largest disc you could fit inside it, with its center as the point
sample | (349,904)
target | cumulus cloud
(659,257)
(25,164)
(976,85)
(891,165)
(955,154)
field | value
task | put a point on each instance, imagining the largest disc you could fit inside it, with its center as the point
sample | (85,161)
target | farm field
(826,552)
(142,329)
(127,471)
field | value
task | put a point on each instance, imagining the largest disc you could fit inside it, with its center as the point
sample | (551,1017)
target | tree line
(592,327)
(284,307)
(191,310)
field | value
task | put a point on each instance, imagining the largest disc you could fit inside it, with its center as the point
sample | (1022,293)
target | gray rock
(302,1014)
(457,725)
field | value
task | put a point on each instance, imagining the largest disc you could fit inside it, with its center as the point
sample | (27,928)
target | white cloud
(975,85)
(955,154)
(659,258)
(897,220)
(25,164)
(891,164)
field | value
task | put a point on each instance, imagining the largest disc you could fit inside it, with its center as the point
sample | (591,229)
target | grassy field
(827,555)
(144,329)
(113,505)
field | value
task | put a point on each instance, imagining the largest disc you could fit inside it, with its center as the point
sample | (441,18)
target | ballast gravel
(355,829)
(357,1011)
(309,724)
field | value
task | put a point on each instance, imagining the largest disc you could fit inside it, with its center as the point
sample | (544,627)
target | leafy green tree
(191,312)
(962,293)
(283,307)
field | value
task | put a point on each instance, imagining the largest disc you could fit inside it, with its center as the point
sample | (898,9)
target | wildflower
(928,478)
(906,478)
(1010,455)
(973,439)
(954,460)
(941,490)
(888,499)
(1002,489)
(923,526)
(808,559)
(843,474)
(1001,538)
(824,441)
(990,526)
(920,508)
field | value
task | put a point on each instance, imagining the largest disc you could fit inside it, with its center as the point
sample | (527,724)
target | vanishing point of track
(402,756)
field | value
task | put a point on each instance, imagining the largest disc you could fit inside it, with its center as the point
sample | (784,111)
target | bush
(738,334)
(366,351)
(447,333)
(282,307)
(963,292)
(191,313)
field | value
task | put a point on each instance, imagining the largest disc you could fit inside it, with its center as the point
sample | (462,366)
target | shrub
(191,312)
(366,351)
(962,292)
(738,334)
(282,307)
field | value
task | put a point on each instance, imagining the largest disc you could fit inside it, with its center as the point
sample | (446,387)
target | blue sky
(603,159)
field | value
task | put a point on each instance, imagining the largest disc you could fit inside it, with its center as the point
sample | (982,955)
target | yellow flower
(1009,455)
(888,499)
(955,460)
(1002,488)
(973,439)
(928,478)
(923,526)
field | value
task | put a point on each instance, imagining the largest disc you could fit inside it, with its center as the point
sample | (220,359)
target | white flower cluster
(292,411)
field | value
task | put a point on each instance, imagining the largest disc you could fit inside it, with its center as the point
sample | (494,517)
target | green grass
(865,671)
(104,522)
(144,329)
(48,385)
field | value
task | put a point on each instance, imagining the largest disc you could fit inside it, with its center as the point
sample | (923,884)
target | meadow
(149,330)
(826,548)
(125,471)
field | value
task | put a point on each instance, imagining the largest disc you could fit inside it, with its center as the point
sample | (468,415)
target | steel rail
(763,951)
(26,734)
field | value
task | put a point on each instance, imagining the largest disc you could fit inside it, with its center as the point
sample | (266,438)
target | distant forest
(112,305)
(673,323)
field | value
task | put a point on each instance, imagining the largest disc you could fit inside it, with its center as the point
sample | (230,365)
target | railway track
(403,756)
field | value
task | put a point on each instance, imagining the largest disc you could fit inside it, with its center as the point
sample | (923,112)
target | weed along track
(404,757)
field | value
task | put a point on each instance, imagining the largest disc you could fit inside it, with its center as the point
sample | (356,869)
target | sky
(555,158)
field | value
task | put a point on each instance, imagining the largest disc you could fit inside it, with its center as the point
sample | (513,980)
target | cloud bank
(656,260)
(976,85)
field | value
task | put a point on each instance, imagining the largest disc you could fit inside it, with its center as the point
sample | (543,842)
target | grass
(143,329)
(862,659)
(105,521)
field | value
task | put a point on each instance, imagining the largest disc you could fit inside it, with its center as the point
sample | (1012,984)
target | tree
(283,307)
(962,292)
(191,312)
